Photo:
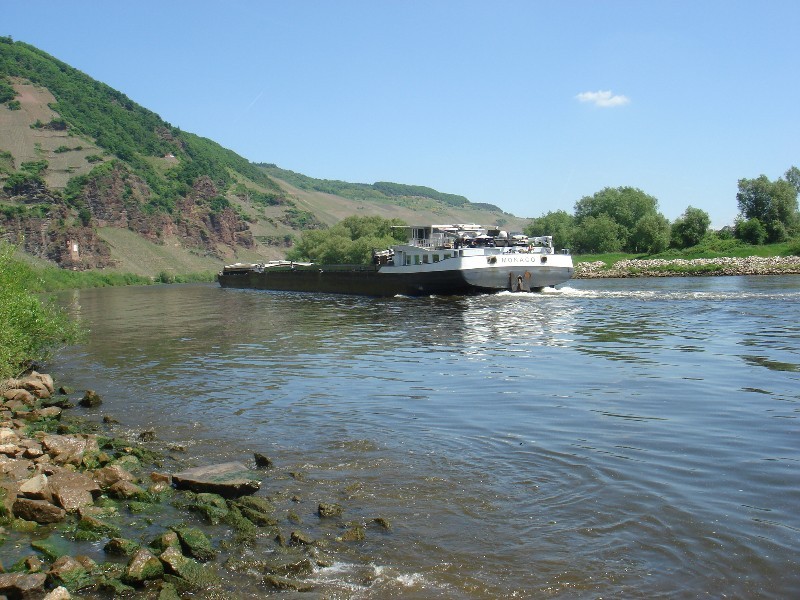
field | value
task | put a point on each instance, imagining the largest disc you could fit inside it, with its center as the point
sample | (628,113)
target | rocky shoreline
(66,482)
(752,265)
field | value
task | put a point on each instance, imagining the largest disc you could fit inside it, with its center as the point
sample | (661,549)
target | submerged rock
(91,399)
(230,480)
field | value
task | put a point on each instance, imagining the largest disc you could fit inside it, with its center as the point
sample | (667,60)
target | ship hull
(393,281)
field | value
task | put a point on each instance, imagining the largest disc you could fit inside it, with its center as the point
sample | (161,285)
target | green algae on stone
(142,566)
(121,547)
(53,547)
(246,531)
(195,543)
(188,571)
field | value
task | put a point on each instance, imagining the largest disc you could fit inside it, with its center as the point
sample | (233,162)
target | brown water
(632,438)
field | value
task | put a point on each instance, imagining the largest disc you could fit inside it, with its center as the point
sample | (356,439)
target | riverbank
(69,486)
(752,265)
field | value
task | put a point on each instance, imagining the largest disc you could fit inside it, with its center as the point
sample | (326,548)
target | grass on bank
(30,329)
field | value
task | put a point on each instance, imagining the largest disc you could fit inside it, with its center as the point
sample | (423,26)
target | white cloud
(603,99)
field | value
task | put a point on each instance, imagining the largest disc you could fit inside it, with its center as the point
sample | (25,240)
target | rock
(8,436)
(22,585)
(188,570)
(45,379)
(51,412)
(353,534)
(212,506)
(91,399)
(65,390)
(120,547)
(108,476)
(52,547)
(9,449)
(33,564)
(284,583)
(60,593)
(19,395)
(298,538)
(36,488)
(289,564)
(147,436)
(230,480)
(256,509)
(70,573)
(195,543)
(168,592)
(382,522)
(69,449)
(97,526)
(40,511)
(262,461)
(329,510)
(168,540)
(36,387)
(142,566)
(71,491)
(126,490)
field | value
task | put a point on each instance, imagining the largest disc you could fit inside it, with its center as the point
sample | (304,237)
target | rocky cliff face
(66,233)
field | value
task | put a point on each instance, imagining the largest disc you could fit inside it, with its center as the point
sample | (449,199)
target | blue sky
(529,105)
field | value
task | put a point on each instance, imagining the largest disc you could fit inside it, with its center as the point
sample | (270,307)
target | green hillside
(80,161)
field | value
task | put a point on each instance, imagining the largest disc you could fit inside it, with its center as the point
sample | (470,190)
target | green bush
(31,328)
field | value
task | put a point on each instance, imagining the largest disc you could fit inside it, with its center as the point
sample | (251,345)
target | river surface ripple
(614,438)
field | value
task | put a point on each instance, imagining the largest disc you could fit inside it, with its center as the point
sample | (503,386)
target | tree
(599,234)
(625,206)
(560,224)
(793,177)
(773,203)
(651,234)
(690,228)
(750,231)
(350,241)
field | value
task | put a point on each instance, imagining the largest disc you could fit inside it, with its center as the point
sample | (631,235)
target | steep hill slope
(90,179)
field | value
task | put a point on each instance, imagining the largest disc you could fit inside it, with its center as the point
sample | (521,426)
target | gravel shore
(752,265)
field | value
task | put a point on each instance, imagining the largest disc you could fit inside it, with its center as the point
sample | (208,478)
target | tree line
(626,219)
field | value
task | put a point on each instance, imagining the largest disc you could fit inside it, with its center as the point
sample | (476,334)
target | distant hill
(90,179)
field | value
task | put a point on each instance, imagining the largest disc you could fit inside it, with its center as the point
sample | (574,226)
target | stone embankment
(752,265)
(62,485)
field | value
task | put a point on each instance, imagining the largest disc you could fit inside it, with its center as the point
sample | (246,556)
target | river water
(614,438)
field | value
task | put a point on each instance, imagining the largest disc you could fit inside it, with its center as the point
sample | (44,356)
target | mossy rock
(255,503)
(128,462)
(329,509)
(212,506)
(246,531)
(53,547)
(114,586)
(74,579)
(186,572)
(121,547)
(353,534)
(168,591)
(195,543)
(142,566)
(24,526)
(165,541)
(284,583)
(259,518)
(95,525)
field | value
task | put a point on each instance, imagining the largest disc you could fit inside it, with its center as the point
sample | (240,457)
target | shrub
(32,328)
